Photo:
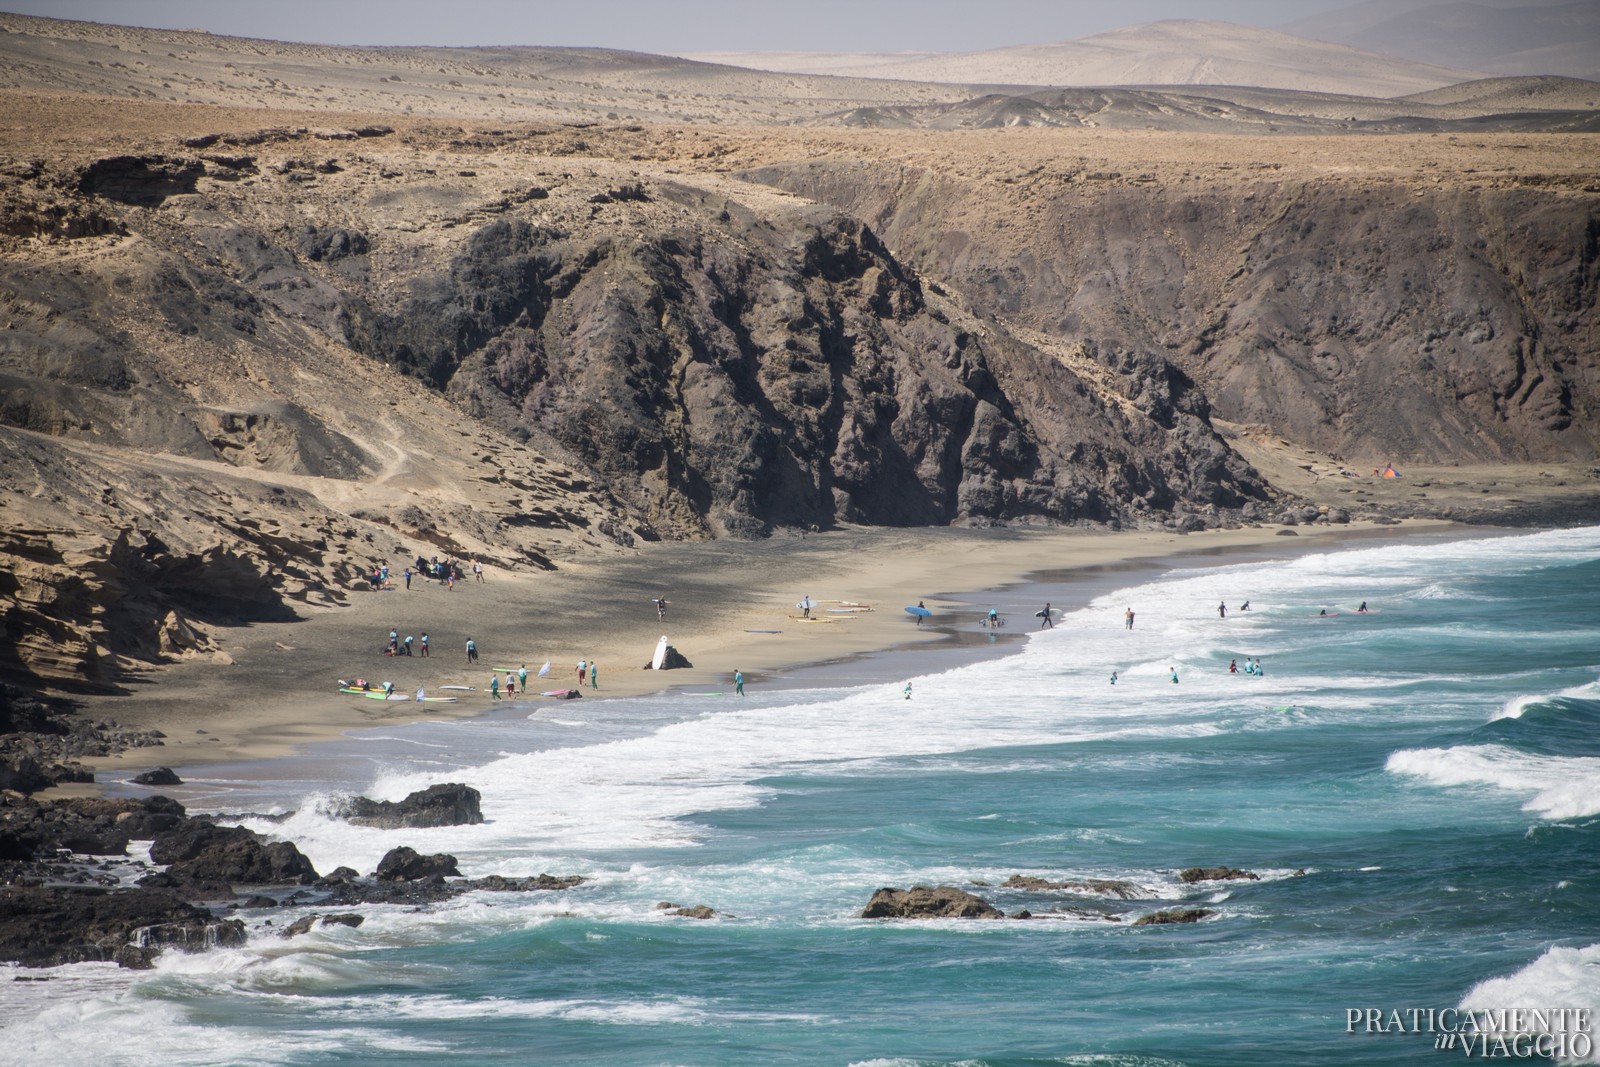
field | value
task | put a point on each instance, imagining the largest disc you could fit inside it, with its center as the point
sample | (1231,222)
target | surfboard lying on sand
(461,688)
(763,631)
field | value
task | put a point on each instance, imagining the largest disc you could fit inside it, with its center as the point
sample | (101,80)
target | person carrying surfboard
(1044,617)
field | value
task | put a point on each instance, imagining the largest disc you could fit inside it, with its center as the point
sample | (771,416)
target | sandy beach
(274,687)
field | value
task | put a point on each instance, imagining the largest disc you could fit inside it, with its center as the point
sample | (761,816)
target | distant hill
(1508,105)
(1173,52)
(1503,38)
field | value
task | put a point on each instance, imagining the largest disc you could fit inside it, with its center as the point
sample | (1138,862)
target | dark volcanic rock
(405,864)
(921,902)
(1434,343)
(202,851)
(1215,874)
(159,776)
(449,804)
(45,927)
(1174,915)
(142,180)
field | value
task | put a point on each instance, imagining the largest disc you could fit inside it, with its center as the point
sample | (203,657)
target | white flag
(545,669)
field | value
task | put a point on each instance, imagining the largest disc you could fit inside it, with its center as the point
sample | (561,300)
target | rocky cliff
(235,381)
(1403,317)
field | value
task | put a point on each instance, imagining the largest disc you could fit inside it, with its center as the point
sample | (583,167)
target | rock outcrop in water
(445,804)
(923,902)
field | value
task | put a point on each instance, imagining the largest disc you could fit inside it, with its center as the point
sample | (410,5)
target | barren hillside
(253,350)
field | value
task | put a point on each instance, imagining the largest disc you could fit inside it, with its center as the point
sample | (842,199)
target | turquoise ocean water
(1418,789)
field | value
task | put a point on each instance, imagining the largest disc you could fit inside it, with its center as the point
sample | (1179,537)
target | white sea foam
(1561,978)
(1513,708)
(1562,787)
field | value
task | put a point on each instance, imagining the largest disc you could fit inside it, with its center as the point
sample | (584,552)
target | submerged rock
(1118,888)
(1215,874)
(1173,915)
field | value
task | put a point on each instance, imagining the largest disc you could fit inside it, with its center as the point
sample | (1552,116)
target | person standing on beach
(477,569)
(583,669)
(1128,618)
(494,686)
(472,651)
(924,607)
(408,644)
(594,675)
(408,577)
(738,682)
(661,608)
(424,644)
(522,677)
(805,606)
(511,684)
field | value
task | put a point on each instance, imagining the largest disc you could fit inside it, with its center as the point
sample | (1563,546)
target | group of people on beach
(397,647)
(449,571)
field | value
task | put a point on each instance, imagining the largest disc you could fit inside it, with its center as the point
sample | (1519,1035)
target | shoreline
(277,696)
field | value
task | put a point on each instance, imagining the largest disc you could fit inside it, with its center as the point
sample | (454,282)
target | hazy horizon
(690,26)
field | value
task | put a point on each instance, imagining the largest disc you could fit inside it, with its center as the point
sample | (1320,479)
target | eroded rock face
(732,374)
(922,902)
(1436,322)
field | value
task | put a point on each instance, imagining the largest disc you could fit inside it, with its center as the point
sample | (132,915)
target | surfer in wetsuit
(994,618)
(908,690)
(920,617)
(1113,677)
(1233,667)
(1222,611)
(1363,606)
(1174,675)
(1044,617)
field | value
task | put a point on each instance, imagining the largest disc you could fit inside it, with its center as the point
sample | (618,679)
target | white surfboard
(661,654)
